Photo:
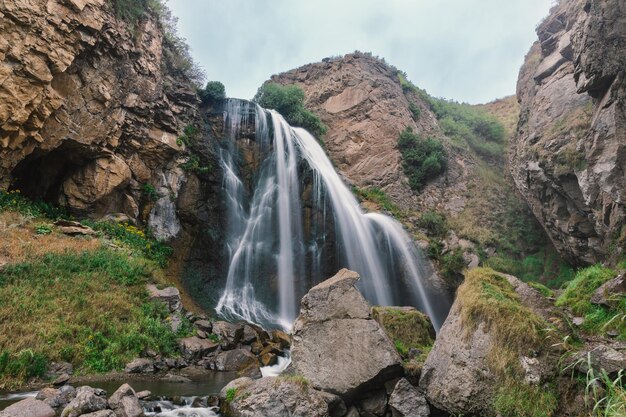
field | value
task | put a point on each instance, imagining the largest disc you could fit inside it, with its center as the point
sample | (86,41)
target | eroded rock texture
(89,113)
(569,156)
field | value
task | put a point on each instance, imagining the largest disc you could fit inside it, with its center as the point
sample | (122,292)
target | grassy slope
(76,299)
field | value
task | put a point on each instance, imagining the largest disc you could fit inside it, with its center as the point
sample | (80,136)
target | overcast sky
(467,50)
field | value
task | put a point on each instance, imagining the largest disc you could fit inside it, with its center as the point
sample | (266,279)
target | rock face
(407,401)
(337,346)
(361,100)
(569,155)
(274,397)
(88,115)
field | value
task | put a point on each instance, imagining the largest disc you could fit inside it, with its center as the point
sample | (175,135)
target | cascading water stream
(296,223)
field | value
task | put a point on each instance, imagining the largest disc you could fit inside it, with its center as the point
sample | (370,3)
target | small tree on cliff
(212,93)
(288,100)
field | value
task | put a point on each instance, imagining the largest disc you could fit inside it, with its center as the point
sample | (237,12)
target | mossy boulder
(492,354)
(405,325)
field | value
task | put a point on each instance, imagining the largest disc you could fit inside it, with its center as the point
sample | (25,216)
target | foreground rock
(124,402)
(87,400)
(282,396)
(337,346)
(474,346)
(407,401)
(29,407)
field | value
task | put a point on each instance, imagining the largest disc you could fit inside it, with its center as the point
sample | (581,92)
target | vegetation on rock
(422,159)
(379,197)
(598,319)
(488,298)
(288,100)
(213,92)
(77,299)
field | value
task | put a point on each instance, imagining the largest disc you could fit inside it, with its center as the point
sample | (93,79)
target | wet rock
(268,359)
(125,403)
(337,346)
(170,296)
(193,348)
(29,407)
(407,401)
(282,338)
(353,412)
(249,335)
(101,413)
(235,360)
(230,333)
(140,366)
(273,397)
(143,395)
(608,293)
(87,400)
(203,325)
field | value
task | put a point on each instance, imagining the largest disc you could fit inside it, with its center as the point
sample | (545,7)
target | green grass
(464,123)
(14,201)
(231,393)
(378,196)
(89,308)
(606,394)
(521,400)
(135,239)
(598,319)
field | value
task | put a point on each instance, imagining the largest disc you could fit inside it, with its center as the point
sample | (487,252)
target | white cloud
(468,50)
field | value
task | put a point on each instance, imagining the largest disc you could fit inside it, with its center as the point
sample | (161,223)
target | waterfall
(293,223)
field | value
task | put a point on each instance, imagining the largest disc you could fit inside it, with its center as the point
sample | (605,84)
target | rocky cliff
(91,109)
(360,98)
(569,155)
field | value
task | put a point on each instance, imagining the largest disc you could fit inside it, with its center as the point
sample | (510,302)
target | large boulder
(87,400)
(56,398)
(609,293)
(29,407)
(140,366)
(235,360)
(494,322)
(337,346)
(125,403)
(194,348)
(230,333)
(282,396)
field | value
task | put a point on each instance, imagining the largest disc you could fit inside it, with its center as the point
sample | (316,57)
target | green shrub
(43,229)
(378,196)
(149,191)
(213,92)
(24,365)
(130,10)
(231,393)
(434,223)
(452,265)
(15,201)
(415,111)
(193,164)
(289,102)
(422,159)
(464,123)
